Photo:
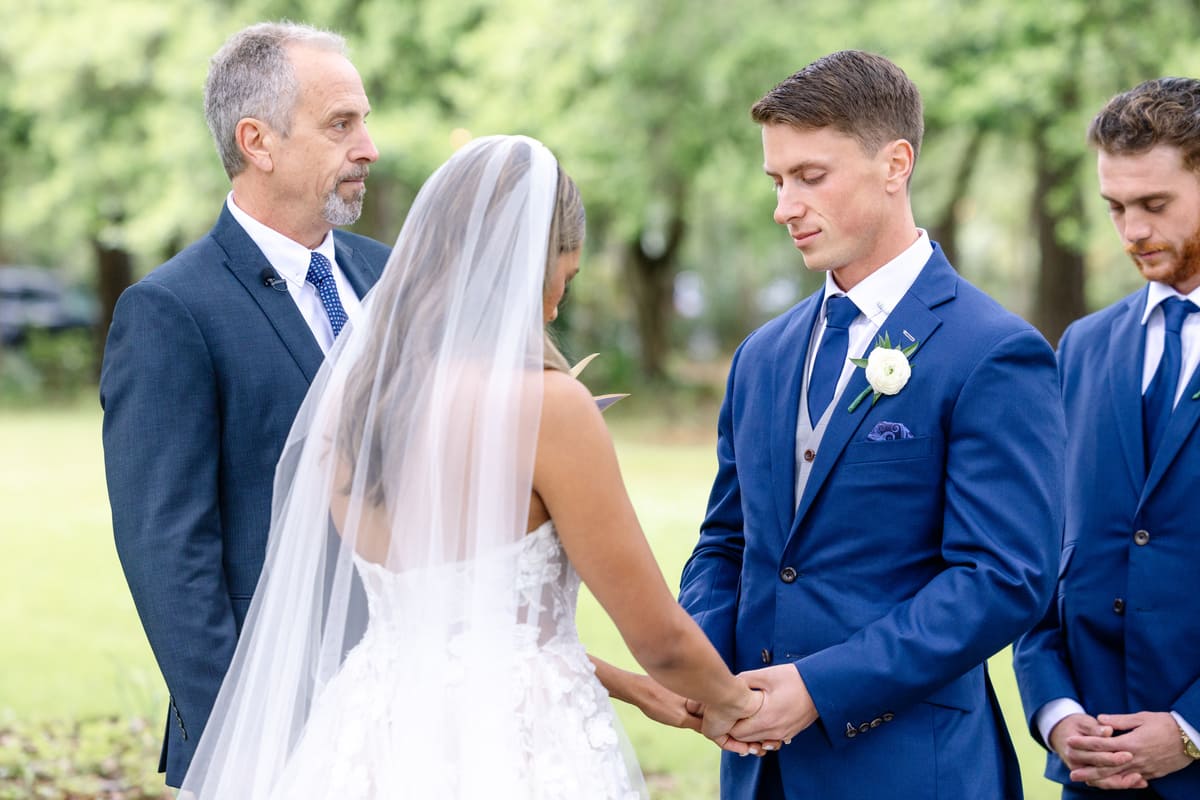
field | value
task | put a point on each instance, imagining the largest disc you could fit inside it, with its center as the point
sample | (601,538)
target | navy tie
(320,275)
(1159,399)
(840,311)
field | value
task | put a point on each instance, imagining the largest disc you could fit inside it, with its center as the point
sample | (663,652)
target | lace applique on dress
(387,728)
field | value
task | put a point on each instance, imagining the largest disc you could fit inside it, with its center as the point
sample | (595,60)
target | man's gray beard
(339,212)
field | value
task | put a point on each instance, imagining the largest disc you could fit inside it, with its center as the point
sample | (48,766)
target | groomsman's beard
(338,210)
(1184,267)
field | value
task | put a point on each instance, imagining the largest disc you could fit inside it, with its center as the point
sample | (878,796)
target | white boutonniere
(888,369)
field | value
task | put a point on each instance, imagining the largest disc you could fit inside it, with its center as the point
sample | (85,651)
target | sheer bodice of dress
(396,720)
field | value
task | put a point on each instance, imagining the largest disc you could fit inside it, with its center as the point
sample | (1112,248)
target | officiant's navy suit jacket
(905,564)
(1122,634)
(204,370)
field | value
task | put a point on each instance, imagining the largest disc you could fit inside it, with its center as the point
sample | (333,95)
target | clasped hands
(784,710)
(1148,748)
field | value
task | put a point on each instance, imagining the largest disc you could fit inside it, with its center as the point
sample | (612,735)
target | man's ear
(256,140)
(900,161)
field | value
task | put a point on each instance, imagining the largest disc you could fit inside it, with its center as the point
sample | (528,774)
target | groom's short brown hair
(860,94)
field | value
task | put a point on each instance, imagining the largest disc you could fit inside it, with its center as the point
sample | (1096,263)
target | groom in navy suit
(1110,678)
(874,535)
(210,356)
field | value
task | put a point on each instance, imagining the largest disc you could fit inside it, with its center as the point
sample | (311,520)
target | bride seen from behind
(445,487)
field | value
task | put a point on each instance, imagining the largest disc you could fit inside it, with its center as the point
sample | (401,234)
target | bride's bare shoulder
(567,403)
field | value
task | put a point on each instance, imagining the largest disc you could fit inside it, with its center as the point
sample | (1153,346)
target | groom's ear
(900,161)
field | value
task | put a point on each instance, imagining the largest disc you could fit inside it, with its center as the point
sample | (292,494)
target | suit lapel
(246,262)
(1182,422)
(356,268)
(787,376)
(1127,347)
(912,315)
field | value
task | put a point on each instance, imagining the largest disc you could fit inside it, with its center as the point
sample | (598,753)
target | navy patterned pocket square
(887,431)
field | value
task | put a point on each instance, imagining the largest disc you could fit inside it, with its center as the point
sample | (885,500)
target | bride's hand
(717,722)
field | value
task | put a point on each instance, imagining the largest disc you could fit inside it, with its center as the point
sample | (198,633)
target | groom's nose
(788,207)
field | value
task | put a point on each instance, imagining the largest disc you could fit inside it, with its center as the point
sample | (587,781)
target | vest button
(1141,538)
(1119,606)
(766,656)
(788,575)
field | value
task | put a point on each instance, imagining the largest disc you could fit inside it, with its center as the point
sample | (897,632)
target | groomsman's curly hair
(1160,111)
(860,94)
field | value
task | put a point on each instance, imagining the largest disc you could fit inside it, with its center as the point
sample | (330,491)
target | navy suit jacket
(907,562)
(204,370)
(1122,634)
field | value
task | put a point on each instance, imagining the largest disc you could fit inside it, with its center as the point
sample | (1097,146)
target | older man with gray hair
(210,355)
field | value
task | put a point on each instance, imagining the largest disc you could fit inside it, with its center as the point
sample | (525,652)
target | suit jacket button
(866,726)
(787,575)
(1141,537)
(887,716)
(766,656)
(1119,606)
(809,455)
(851,731)
(875,723)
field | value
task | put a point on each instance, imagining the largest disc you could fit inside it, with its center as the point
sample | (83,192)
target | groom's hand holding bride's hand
(716,725)
(787,707)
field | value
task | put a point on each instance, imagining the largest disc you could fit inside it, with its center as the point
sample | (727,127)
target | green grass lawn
(72,647)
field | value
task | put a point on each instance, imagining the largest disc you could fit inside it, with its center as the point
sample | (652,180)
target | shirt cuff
(1053,713)
(1188,729)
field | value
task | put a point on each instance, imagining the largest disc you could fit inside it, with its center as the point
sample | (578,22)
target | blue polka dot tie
(320,275)
(1159,400)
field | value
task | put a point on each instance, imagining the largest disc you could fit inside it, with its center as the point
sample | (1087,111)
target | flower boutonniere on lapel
(888,369)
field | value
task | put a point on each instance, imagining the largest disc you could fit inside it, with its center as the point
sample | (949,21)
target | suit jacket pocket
(891,450)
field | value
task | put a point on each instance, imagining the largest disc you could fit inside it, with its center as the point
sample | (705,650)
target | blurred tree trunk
(1057,205)
(114,273)
(944,229)
(652,283)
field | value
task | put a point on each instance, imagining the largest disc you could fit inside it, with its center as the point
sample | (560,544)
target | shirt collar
(289,258)
(881,291)
(1157,292)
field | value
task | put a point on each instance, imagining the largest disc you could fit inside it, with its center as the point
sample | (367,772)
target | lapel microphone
(271,278)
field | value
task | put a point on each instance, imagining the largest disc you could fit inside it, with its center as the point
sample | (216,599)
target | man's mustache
(1146,247)
(359,174)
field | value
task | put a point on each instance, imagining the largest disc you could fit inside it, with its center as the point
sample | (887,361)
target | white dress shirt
(1152,318)
(875,296)
(1056,710)
(290,259)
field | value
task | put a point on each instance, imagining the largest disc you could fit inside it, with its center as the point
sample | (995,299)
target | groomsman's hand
(1084,727)
(1151,740)
(787,708)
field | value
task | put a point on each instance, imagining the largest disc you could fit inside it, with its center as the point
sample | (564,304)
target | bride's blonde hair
(567,228)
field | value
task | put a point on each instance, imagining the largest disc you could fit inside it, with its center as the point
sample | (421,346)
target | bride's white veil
(409,467)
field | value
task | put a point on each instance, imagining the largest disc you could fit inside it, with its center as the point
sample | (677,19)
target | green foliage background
(103,145)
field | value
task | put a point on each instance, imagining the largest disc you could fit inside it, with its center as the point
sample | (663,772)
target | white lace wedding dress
(367,737)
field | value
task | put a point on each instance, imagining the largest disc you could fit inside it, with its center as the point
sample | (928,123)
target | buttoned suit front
(1121,635)
(204,369)
(905,563)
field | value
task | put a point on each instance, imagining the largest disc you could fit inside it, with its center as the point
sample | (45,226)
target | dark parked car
(39,299)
